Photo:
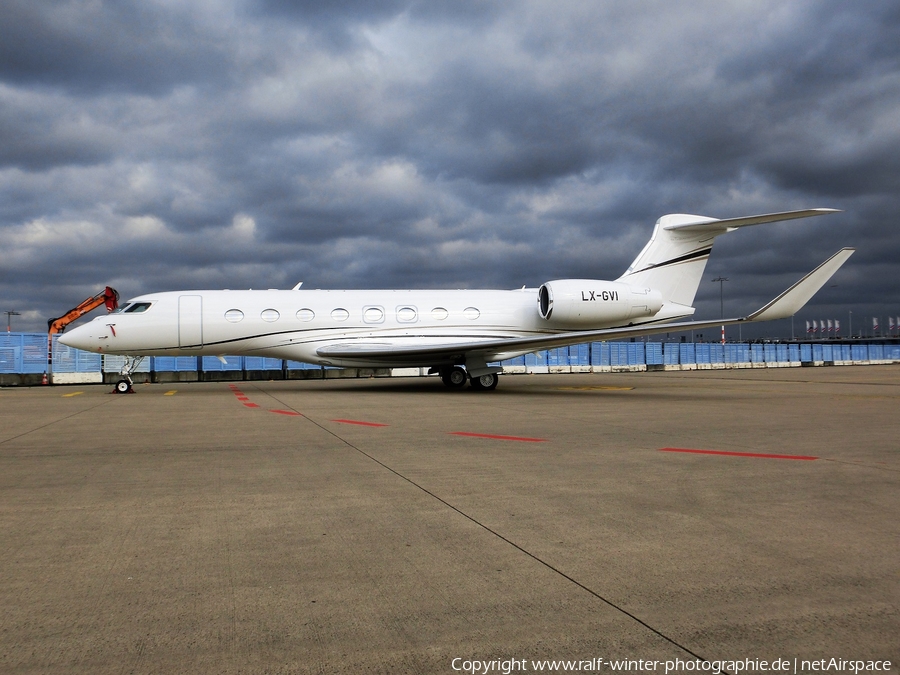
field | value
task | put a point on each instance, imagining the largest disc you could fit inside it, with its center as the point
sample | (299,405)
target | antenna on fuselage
(297,287)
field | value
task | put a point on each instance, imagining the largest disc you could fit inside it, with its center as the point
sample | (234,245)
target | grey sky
(377,144)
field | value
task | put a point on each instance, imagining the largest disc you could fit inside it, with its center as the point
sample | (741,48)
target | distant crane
(721,281)
(9,316)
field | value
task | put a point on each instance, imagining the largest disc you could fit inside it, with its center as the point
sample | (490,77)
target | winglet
(789,303)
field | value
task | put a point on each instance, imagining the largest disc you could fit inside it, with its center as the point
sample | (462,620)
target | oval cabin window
(471,313)
(440,313)
(340,314)
(269,315)
(306,314)
(373,315)
(234,315)
(406,314)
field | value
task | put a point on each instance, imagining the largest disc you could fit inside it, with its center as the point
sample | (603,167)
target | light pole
(721,281)
(850,325)
(9,321)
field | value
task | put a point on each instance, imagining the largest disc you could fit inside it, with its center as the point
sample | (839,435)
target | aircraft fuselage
(294,324)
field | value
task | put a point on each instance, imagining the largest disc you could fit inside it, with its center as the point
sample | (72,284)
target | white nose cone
(80,338)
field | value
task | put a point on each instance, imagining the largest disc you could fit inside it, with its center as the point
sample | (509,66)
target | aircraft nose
(80,338)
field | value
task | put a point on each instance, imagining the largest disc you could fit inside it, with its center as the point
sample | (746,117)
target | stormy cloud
(392,143)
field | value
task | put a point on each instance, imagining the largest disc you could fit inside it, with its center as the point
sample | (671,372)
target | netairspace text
(717,667)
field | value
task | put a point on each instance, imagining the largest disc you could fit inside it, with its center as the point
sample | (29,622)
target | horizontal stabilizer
(715,225)
(789,303)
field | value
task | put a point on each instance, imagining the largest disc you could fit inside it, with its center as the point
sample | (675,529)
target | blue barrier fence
(26,353)
(70,360)
(23,353)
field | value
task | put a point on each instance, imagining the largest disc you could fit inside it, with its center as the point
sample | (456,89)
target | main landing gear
(486,382)
(455,378)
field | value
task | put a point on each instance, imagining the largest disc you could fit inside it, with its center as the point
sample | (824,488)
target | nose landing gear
(124,385)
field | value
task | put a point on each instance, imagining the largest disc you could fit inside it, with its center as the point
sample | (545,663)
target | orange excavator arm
(109,297)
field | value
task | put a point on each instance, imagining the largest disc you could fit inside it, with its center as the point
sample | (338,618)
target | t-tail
(673,260)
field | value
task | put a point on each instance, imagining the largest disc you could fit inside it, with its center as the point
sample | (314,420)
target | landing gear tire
(123,387)
(454,377)
(486,382)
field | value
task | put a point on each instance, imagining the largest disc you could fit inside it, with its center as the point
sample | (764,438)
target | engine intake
(590,303)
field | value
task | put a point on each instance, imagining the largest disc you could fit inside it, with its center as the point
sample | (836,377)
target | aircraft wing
(783,306)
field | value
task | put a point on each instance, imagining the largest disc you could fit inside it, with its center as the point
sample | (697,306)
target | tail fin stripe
(684,258)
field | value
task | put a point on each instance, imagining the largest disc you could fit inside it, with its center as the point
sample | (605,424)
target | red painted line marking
(498,438)
(737,454)
(251,405)
(287,412)
(243,398)
(365,424)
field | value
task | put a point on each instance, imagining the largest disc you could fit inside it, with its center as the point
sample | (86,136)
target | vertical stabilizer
(673,260)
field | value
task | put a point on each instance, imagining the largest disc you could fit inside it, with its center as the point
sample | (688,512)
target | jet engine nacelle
(584,303)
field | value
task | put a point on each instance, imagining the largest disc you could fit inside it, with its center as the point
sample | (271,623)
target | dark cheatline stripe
(738,454)
(364,424)
(499,438)
(684,258)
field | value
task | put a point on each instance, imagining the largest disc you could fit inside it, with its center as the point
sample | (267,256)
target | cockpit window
(136,308)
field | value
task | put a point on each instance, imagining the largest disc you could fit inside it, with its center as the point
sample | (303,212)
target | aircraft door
(190,321)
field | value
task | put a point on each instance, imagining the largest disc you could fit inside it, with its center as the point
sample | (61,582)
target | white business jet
(458,334)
